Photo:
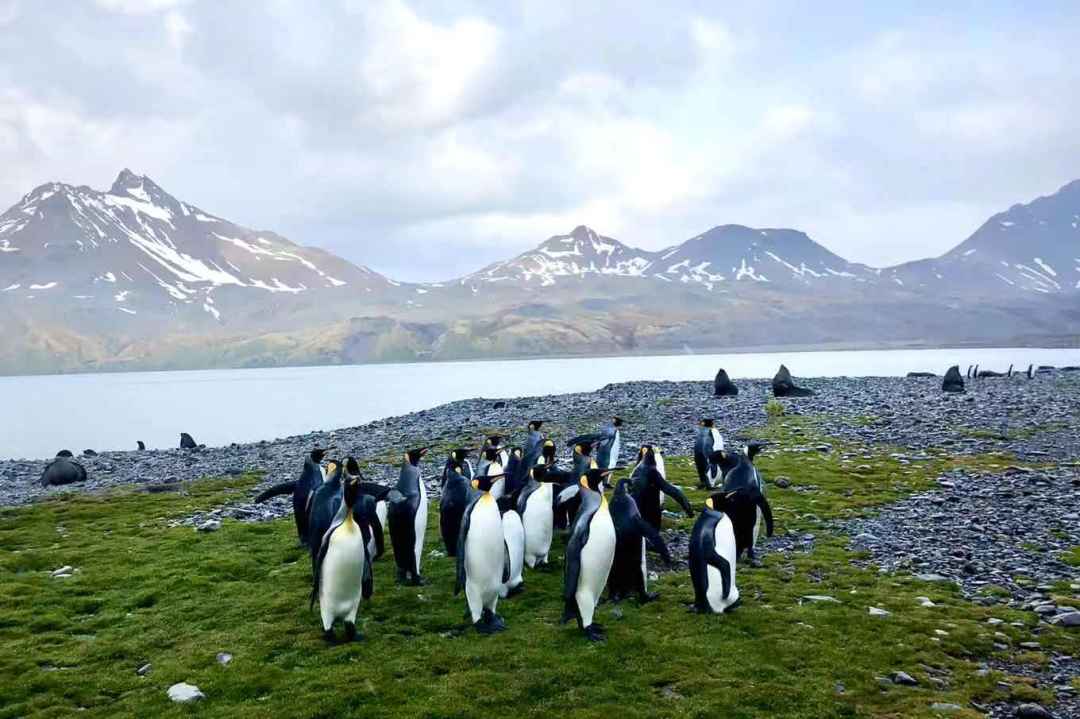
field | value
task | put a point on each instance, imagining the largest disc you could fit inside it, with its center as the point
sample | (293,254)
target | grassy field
(175,598)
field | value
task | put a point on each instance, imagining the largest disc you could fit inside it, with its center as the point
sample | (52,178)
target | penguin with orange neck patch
(342,569)
(483,562)
(590,552)
(407,517)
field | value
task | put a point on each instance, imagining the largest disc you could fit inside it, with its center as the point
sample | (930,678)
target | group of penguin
(500,516)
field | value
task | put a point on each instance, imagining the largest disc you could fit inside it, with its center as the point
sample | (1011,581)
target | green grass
(1072,557)
(173,597)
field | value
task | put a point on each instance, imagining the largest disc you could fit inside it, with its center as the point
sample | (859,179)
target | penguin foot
(498,623)
(755,561)
(568,614)
(329,637)
(514,591)
(646,597)
(400,577)
(351,635)
(417,581)
(595,633)
(734,605)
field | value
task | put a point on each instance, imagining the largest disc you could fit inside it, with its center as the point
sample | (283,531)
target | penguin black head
(754,449)
(491,454)
(547,452)
(727,460)
(539,473)
(648,453)
(459,454)
(535,425)
(517,452)
(485,483)
(494,440)
(64,453)
(352,467)
(622,487)
(333,469)
(617,421)
(318,454)
(584,448)
(351,491)
(413,455)
(708,423)
(718,502)
(594,479)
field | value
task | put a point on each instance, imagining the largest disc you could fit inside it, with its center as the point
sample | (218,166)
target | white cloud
(177,29)
(139,7)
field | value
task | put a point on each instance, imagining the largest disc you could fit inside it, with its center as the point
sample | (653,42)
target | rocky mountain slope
(135,278)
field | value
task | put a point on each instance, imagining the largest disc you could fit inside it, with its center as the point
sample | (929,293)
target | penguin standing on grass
(536,507)
(311,477)
(608,443)
(630,574)
(482,560)
(707,442)
(342,569)
(745,501)
(712,558)
(649,486)
(567,500)
(514,538)
(325,503)
(590,552)
(459,458)
(455,498)
(407,515)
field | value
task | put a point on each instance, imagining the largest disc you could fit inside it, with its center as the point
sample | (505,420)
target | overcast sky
(427,139)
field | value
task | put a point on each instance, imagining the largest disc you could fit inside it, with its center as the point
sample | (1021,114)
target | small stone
(925,602)
(839,688)
(1032,711)
(144,670)
(1045,609)
(782,482)
(819,598)
(903,679)
(210,525)
(184,693)
(944,708)
(1072,619)
(64,571)
(877,612)
(616,613)
(224,658)
(930,577)
(1030,645)
(994,621)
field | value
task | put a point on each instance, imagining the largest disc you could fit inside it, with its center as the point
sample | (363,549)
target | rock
(89,453)
(144,670)
(1069,619)
(224,658)
(930,577)
(210,525)
(723,386)
(953,382)
(63,470)
(944,708)
(921,374)
(782,482)
(784,386)
(1032,711)
(819,598)
(64,571)
(184,693)
(903,679)
(876,612)
(925,602)
(186,441)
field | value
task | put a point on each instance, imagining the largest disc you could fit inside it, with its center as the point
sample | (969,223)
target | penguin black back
(646,484)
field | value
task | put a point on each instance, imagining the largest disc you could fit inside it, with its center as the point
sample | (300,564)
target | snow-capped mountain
(1032,248)
(136,248)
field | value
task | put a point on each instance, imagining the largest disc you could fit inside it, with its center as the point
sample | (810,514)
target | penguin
(516,473)
(590,552)
(608,442)
(968,372)
(141,445)
(649,485)
(1031,371)
(712,558)
(491,466)
(745,501)
(407,516)
(324,505)
(458,458)
(482,558)
(630,574)
(342,569)
(366,509)
(311,477)
(455,498)
(514,538)
(63,470)
(567,501)
(708,441)
(534,442)
(494,441)
(1010,372)
(536,507)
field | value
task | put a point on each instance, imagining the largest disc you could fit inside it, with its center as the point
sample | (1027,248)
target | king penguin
(708,441)
(630,574)
(536,507)
(649,485)
(324,507)
(459,458)
(407,515)
(590,552)
(311,477)
(482,558)
(342,569)
(712,558)
(745,501)
(514,537)
(455,498)
(608,443)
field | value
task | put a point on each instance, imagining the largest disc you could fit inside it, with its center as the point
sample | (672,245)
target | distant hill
(134,278)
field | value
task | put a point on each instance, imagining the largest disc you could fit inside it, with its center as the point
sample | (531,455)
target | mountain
(1032,248)
(133,278)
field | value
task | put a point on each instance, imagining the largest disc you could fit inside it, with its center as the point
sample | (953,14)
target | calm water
(112,411)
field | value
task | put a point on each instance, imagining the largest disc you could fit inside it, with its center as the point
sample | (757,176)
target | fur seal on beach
(63,470)
(784,386)
(953,382)
(723,386)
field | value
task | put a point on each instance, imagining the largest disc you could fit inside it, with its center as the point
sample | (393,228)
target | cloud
(426,139)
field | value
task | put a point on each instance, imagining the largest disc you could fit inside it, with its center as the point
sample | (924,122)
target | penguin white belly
(758,519)
(616,449)
(717,440)
(663,473)
(380,512)
(420,523)
(514,536)
(724,542)
(539,524)
(341,575)
(596,558)
(498,488)
(644,569)
(484,557)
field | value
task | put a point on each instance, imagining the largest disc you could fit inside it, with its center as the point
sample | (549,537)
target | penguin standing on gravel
(630,574)
(590,552)
(536,507)
(712,558)
(708,441)
(311,477)
(407,515)
(649,486)
(744,500)
(342,573)
(482,560)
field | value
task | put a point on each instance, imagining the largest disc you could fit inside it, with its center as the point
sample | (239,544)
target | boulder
(723,386)
(784,386)
(953,382)
(184,693)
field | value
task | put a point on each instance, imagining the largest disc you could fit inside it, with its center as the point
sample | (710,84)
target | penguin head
(485,483)
(413,455)
(718,502)
(753,449)
(535,425)
(595,479)
(351,491)
(727,460)
(318,454)
(516,452)
(617,421)
(540,473)
(333,469)
(584,448)
(493,440)
(352,467)
(459,454)
(622,487)
(710,423)
(491,454)
(649,453)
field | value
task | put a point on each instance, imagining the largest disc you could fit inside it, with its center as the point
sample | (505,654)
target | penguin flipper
(367,583)
(655,540)
(506,562)
(672,491)
(577,542)
(584,439)
(376,490)
(567,494)
(275,491)
(394,496)
(377,531)
(723,566)
(316,575)
(766,512)
(463,533)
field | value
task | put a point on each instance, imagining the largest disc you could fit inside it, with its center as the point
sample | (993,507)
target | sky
(427,139)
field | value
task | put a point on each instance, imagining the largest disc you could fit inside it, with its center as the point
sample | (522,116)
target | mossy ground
(148,593)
